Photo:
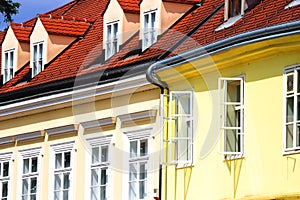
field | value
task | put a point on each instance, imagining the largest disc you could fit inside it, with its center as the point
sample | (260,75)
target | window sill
(291,152)
(183,165)
(233,157)
(229,22)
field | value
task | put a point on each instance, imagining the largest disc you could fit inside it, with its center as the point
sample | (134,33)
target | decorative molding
(61,147)
(5,156)
(6,140)
(138,134)
(28,153)
(138,115)
(98,123)
(102,140)
(62,129)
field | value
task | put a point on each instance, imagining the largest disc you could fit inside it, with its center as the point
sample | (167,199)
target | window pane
(182,102)
(132,172)
(67,161)
(143,171)
(33,197)
(115,30)
(33,185)
(298,135)
(58,161)
(146,21)
(132,191)
(103,177)
(66,195)
(103,193)
(95,155)
(6,61)
(153,19)
(95,177)
(5,169)
(232,141)
(34,164)
(40,51)
(11,59)
(4,189)
(109,32)
(290,109)
(94,193)
(25,187)
(133,149)
(57,195)
(182,149)
(26,166)
(57,182)
(289,136)
(142,189)
(34,52)
(232,116)
(143,148)
(66,181)
(233,91)
(104,154)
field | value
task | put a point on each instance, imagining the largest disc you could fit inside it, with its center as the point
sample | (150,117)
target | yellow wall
(120,105)
(264,172)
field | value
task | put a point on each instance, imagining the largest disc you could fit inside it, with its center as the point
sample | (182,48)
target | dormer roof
(22,31)
(131,6)
(66,26)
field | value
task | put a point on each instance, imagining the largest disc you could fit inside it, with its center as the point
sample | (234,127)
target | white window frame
(239,106)
(9,65)
(62,148)
(294,95)
(30,154)
(99,142)
(138,160)
(149,29)
(240,12)
(6,158)
(139,135)
(172,142)
(112,39)
(38,58)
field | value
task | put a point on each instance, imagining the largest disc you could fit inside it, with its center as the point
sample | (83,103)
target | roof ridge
(63,17)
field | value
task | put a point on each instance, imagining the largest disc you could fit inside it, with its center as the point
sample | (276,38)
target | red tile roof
(74,60)
(63,25)
(131,6)
(184,1)
(22,31)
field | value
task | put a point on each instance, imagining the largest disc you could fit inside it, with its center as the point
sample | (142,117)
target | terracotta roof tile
(131,6)
(60,25)
(183,1)
(82,53)
(22,31)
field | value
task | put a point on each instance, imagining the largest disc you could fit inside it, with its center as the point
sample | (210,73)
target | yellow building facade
(229,116)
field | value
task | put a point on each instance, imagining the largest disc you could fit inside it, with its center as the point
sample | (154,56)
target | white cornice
(67,99)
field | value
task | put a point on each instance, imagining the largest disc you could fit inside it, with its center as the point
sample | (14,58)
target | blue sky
(30,8)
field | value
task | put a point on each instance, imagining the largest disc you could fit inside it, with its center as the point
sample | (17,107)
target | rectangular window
(150,26)
(29,178)
(38,63)
(112,44)
(292,111)
(138,169)
(99,173)
(4,179)
(8,65)
(231,100)
(180,147)
(234,8)
(62,175)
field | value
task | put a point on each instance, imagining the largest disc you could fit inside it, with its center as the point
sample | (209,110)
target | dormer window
(112,44)
(8,65)
(234,8)
(38,63)
(150,24)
